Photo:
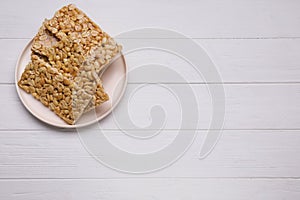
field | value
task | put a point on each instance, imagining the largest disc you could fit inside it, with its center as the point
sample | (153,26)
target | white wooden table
(256,47)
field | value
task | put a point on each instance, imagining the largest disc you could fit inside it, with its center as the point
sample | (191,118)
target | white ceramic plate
(114,80)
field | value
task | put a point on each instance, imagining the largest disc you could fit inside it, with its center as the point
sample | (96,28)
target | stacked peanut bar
(68,54)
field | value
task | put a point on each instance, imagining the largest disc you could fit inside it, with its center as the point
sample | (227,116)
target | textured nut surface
(69,53)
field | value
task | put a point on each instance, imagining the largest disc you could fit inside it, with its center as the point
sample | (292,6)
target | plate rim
(68,126)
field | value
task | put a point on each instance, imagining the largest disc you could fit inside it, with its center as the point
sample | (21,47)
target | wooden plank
(238,154)
(238,61)
(204,19)
(149,189)
(247,107)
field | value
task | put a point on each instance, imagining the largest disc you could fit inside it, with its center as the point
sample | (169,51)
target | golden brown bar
(77,50)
